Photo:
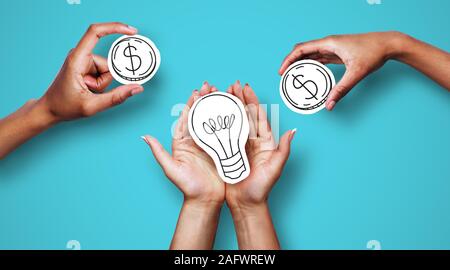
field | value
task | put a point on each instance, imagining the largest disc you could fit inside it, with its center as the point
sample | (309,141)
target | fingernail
(132,28)
(137,90)
(292,134)
(145,139)
(331,105)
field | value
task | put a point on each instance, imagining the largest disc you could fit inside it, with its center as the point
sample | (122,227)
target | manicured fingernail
(292,134)
(134,29)
(137,90)
(331,105)
(145,139)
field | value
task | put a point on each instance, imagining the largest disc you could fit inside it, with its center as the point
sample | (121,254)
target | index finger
(301,50)
(97,31)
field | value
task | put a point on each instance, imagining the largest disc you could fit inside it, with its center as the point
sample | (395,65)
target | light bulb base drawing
(219,125)
(234,166)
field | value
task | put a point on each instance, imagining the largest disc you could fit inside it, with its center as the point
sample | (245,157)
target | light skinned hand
(247,199)
(266,158)
(195,174)
(361,54)
(189,167)
(78,89)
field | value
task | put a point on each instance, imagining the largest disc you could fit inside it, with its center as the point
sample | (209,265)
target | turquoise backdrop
(376,168)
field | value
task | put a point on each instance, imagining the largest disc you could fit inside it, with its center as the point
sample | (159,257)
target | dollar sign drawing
(131,56)
(299,85)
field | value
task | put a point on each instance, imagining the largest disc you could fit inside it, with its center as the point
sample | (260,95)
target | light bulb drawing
(218,124)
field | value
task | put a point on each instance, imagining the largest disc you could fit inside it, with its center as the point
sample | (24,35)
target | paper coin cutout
(305,86)
(133,59)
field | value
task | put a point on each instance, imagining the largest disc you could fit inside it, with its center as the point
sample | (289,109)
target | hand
(247,199)
(361,54)
(77,91)
(189,167)
(195,174)
(78,88)
(265,158)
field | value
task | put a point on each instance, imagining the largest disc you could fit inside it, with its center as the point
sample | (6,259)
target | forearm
(254,227)
(429,60)
(30,120)
(197,226)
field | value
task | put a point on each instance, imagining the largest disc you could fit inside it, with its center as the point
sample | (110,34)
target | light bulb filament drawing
(225,125)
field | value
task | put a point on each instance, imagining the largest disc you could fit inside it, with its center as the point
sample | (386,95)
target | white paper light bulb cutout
(218,123)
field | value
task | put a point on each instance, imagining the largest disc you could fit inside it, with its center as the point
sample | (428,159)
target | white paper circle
(305,86)
(133,59)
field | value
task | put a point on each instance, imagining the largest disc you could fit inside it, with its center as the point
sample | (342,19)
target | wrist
(200,211)
(243,211)
(245,202)
(41,117)
(202,206)
(397,45)
(207,197)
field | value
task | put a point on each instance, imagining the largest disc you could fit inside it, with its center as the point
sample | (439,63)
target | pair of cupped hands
(195,173)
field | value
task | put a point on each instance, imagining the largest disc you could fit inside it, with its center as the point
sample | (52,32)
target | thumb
(114,97)
(348,81)
(161,155)
(284,147)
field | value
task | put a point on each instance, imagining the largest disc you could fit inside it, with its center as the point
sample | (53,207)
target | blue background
(375,168)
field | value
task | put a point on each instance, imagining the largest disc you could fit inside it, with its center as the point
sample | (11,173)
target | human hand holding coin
(361,54)
(79,88)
